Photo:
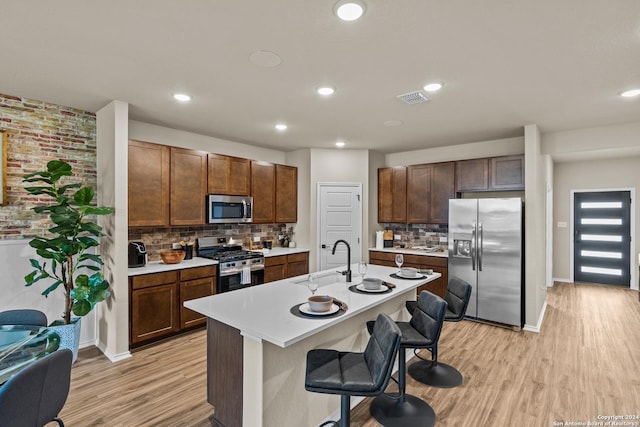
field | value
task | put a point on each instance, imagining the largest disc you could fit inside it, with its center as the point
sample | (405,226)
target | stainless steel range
(237,268)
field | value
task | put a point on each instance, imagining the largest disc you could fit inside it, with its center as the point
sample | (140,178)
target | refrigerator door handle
(474,246)
(480,246)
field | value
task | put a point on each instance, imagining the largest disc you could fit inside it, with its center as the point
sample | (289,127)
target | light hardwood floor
(584,363)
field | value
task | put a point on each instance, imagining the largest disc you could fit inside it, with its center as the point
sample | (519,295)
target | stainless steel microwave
(229,209)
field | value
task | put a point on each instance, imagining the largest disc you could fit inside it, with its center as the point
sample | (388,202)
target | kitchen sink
(324,278)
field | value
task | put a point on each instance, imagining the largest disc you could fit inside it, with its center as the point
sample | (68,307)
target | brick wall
(38,132)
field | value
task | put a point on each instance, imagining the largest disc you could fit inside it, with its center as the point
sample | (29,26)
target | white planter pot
(69,335)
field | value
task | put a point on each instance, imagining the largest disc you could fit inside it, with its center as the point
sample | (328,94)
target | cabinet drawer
(197,272)
(304,256)
(275,260)
(154,279)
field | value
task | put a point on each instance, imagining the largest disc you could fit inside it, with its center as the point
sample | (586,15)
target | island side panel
(224,372)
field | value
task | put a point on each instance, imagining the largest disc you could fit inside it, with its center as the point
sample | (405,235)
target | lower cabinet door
(154,312)
(193,289)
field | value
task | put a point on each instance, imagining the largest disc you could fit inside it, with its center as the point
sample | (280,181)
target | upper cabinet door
(228,175)
(419,190)
(188,186)
(392,194)
(148,184)
(263,186)
(472,175)
(286,194)
(507,173)
(442,189)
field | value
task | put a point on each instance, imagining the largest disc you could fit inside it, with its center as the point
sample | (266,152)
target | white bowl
(320,303)
(371,284)
(408,272)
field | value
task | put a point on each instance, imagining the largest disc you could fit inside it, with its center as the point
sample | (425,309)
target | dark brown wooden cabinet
(507,173)
(442,189)
(228,175)
(157,302)
(392,194)
(285,266)
(490,174)
(429,188)
(437,264)
(154,306)
(195,283)
(148,186)
(297,264)
(275,268)
(286,194)
(188,186)
(263,186)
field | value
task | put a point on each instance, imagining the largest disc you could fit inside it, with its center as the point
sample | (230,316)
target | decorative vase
(69,334)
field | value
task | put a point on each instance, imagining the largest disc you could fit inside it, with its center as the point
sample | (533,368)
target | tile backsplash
(162,238)
(419,234)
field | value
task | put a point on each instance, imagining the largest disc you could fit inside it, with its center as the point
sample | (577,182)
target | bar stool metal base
(435,374)
(390,412)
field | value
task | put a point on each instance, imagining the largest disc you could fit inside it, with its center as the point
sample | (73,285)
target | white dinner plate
(383,288)
(417,276)
(304,308)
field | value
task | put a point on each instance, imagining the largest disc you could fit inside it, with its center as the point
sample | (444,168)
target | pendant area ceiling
(505,64)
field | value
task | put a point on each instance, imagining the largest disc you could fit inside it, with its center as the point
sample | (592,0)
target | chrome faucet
(333,252)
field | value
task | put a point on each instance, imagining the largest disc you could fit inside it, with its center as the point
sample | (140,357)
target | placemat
(354,289)
(296,312)
(395,276)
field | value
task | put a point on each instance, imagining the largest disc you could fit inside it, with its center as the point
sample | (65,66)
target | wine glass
(399,261)
(312,283)
(362,268)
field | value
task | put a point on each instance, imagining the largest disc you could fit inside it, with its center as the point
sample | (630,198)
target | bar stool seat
(422,331)
(355,374)
(433,372)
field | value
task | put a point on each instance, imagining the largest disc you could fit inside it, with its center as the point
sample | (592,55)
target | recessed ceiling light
(340,144)
(433,87)
(265,58)
(349,10)
(391,123)
(182,97)
(281,126)
(326,90)
(630,93)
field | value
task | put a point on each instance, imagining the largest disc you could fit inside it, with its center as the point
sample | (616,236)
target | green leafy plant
(73,233)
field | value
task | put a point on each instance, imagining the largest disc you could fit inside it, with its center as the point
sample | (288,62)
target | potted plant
(65,250)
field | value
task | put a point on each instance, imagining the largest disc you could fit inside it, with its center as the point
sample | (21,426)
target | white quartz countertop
(278,251)
(160,267)
(263,311)
(411,251)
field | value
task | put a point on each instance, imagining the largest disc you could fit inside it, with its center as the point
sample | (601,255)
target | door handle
(473,246)
(323,246)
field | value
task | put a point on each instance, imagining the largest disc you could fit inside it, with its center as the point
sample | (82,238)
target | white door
(339,217)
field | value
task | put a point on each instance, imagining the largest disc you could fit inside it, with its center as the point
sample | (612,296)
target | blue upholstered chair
(23,317)
(36,395)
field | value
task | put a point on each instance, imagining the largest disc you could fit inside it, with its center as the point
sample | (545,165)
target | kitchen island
(257,343)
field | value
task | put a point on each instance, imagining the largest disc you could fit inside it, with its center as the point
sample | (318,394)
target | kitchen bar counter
(409,251)
(252,334)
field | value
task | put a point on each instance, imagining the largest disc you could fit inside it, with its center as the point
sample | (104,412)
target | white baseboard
(112,357)
(537,327)
(558,279)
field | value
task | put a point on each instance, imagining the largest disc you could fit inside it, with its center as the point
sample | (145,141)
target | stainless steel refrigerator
(486,250)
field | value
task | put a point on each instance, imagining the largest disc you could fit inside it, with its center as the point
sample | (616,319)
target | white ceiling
(505,64)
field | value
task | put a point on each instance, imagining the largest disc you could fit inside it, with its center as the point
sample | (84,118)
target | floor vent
(413,98)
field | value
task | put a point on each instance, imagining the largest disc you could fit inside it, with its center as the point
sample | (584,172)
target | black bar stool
(432,372)
(422,331)
(355,374)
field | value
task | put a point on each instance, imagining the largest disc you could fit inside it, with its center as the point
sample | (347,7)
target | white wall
(474,150)
(177,138)
(14,265)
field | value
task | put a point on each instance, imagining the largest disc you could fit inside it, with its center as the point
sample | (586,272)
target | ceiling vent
(416,97)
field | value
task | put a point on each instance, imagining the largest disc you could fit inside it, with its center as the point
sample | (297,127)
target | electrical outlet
(256,239)
(443,240)
(396,237)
